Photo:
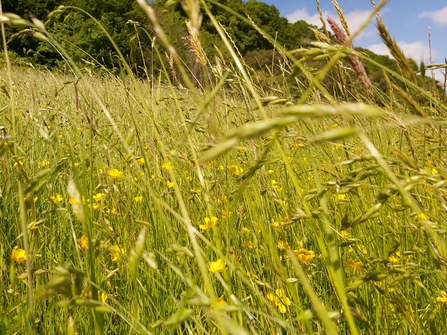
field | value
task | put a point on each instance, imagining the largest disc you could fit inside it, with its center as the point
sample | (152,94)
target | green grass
(365,194)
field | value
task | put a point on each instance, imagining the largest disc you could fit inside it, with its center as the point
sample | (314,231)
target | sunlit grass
(250,216)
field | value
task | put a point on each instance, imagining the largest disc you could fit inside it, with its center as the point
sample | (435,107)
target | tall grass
(130,206)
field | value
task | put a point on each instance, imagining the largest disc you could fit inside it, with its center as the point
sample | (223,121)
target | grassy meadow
(153,206)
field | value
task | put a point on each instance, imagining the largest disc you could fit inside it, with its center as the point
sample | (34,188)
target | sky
(408,21)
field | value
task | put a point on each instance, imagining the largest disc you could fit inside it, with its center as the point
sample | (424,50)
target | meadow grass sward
(181,217)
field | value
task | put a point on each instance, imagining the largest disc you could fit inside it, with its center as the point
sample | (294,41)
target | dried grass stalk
(355,62)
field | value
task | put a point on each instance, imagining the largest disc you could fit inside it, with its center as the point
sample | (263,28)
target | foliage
(284,201)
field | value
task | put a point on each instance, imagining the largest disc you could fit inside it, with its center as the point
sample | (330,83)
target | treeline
(86,42)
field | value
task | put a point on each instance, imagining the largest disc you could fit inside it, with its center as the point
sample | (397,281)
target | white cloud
(417,50)
(439,16)
(303,14)
(355,19)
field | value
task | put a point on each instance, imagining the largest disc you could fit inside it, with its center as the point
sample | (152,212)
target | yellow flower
(116,252)
(103,297)
(276,226)
(289,159)
(140,161)
(341,196)
(443,297)
(280,300)
(98,196)
(95,206)
(56,198)
(166,166)
(394,259)
(270,172)
(283,245)
(115,174)
(235,169)
(353,265)
(169,184)
(209,223)
(44,163)
(83,242)
(19,163)
(220,302)
(245,230)
(217,266)
(226,214)
(138,199)
(421,216)
(221,167)
(18,255)
(249,244)
(304,256)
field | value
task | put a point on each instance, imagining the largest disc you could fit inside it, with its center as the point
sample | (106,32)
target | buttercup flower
(167,166)
(421,216)
(443,297)
(18,255)
(83,242)
(138,199)
(220,302)
(283,245)
(169,184)
(115,173)
(353,265)
(116,252)
(56,198)
(217,266)
(280,300)
(341,196)
(249,244)
(98,196)
(209,223)
(394,259)
(304,256)
(140,161)
(235,169)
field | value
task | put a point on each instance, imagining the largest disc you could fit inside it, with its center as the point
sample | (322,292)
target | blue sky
(407,21)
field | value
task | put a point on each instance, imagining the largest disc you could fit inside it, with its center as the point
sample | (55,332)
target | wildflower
(103,297)
(394,259)
(217,266)
(82,242)
(18,163)
(56,198)
(245,230)
(167,166)
(304,256)
(276,226)
(116,252)
(18,255)
(138,199)
(283,245)
(140,161)
(221,167)
(209,223)
(169,184)
(421,216)
(249,244)
(341,196)
(443,297)
(95,206)
(210,164)
(220,302)
(44,163)
(226,214)
(353,265)
(289,159)
(280,300)
(270,172)
(98,196)
(115,173)
(235,169)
